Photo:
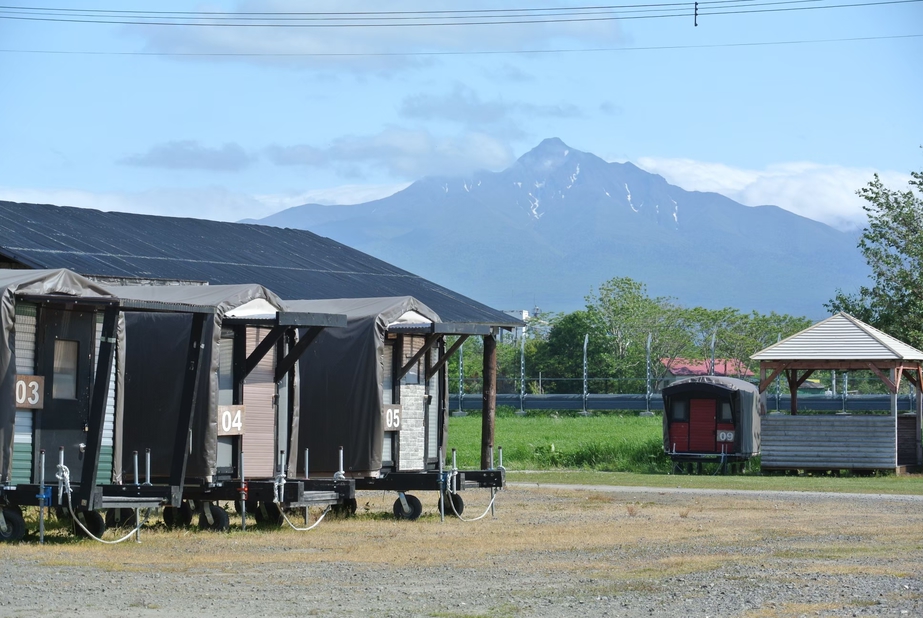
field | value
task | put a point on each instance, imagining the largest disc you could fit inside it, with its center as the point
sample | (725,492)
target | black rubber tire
(15,526)
(93,521)
(347,508)
(272,516)
(416,508)
(220,517)
(177,517)
(120,518)
(251,507)
(456,500)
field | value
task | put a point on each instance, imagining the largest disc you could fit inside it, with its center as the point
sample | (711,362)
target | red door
(702,425)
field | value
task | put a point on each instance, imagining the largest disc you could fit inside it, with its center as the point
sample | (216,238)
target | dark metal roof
(295,264)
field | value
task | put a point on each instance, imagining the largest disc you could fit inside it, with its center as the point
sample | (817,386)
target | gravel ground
(548,551)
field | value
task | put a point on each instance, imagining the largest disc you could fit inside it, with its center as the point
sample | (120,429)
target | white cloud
(190,155)
(825,193)
(343,47)
(402,153)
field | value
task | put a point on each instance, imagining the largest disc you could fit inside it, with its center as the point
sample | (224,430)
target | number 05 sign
(30,392)
(392,417)
(231,420)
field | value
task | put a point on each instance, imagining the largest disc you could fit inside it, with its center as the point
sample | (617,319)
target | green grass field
(628,450)
(616,443)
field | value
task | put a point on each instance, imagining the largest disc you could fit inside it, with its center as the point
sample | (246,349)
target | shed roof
(840,337)
(295,264)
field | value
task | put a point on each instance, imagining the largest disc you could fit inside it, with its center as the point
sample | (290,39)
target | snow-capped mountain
(559,222)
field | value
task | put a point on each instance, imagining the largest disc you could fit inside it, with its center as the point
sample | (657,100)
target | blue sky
(790,107)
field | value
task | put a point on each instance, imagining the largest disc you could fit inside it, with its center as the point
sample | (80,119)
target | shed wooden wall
(828,442)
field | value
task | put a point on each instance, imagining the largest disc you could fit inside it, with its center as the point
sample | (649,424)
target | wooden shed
(842,441)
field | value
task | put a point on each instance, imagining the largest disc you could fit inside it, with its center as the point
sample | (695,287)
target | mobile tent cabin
(61,393)
(378,389)
(711,418)
(247,408)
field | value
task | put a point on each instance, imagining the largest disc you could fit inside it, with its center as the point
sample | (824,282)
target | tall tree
(627,316)
(892,244)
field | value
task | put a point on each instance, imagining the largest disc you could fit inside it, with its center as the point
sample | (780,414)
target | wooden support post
(792,375)
(489,407)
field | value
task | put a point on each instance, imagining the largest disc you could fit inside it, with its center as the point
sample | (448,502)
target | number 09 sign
(30,392)
(231,420)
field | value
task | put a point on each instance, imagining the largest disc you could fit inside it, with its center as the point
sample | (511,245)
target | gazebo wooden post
(792,376)
(489,405)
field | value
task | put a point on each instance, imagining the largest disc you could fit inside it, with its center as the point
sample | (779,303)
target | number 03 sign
(30,392)
(231,420)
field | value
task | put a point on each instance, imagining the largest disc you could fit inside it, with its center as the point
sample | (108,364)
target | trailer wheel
(272,516)
(15,526)
(347,508)
(177,517)
(120,518)
(93,522)
(454,501)
(219,517)
(413,503)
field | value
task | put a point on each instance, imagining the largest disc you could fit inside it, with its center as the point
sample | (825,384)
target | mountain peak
(548,155)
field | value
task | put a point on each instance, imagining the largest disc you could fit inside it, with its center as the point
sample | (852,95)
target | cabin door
(66,362)
(702,425)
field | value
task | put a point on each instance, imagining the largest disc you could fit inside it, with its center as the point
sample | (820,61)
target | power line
(468,17)
(461,53)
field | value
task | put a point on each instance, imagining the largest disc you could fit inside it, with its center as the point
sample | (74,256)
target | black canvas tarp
(156,354)
(341,382)
(27,282)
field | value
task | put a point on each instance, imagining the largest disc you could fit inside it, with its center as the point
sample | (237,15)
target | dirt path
(550,551)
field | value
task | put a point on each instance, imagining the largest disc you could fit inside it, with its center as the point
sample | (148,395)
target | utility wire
(472,17)
(458,53)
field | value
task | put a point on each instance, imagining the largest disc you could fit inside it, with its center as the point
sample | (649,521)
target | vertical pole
(586,342)
(522,372)
(714,334)
(893,375)
(647,381)
(489,399)
(461,380)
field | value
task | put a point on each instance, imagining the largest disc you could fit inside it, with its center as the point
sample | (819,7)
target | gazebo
(843,440)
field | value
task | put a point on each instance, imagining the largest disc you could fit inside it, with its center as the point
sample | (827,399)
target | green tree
(627,316)
(892,244)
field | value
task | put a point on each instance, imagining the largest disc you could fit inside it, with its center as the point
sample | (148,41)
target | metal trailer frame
(88,495)
(263,497)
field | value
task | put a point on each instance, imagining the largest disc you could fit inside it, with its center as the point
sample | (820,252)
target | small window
(680,411)
(64,383)
(725,414)
(226,370)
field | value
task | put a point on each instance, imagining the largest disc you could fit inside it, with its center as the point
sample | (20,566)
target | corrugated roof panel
(840,337)
(295,264)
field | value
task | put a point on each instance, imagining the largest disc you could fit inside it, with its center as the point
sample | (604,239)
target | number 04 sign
(30,392)
(231,420)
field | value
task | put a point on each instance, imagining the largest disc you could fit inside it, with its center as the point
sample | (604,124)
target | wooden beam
(801,380)
(429,343)
(283,365)
(262,349)
(489,401)
(766,382)
(842,365)
(445,357)
(886,379)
